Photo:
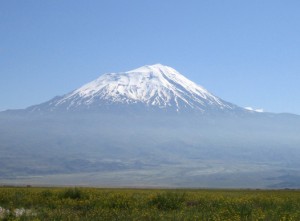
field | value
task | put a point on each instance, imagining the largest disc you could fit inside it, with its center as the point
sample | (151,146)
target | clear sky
(246,52)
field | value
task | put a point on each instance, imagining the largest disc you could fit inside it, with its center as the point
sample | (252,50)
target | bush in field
(168,200)
(46,194)
(118,201)
(72,193)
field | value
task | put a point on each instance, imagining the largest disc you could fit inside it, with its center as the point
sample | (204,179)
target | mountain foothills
(148,127)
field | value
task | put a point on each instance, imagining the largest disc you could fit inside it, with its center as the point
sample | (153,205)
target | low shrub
(72,193)
(168,200)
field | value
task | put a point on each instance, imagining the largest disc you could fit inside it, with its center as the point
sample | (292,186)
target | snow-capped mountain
(125,125)
(151,86)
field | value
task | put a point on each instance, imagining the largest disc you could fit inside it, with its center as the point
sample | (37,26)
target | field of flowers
(29,203)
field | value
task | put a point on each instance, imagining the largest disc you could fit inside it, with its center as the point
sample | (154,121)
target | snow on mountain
(156,86)
(259,110)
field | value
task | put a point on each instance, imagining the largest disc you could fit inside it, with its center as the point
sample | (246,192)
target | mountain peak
(151,86)
(155,68)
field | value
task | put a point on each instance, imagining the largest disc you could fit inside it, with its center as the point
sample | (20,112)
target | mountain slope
(151,87)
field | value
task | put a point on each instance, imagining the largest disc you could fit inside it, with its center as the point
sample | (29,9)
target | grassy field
(30,203)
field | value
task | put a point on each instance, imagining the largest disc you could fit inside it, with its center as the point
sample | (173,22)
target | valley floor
(190,174)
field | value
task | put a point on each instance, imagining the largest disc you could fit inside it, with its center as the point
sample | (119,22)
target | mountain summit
(151,86)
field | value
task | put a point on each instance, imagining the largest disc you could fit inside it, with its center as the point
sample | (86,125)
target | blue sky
(246,52)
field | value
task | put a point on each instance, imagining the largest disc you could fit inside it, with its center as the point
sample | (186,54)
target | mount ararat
(148,127)
(150,87)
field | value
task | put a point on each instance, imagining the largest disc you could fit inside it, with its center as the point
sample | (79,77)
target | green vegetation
(30,203)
